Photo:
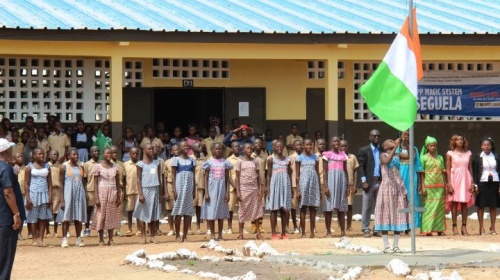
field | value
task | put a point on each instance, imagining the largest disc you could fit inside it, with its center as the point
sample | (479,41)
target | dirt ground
(94,262)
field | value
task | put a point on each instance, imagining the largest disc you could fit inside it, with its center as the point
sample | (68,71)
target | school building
(269,63)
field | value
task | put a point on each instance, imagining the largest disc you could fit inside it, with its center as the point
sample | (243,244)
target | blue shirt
(376,160)
(8,180)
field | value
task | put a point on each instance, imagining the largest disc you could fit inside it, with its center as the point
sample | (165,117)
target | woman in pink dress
(460,185)
(192,139)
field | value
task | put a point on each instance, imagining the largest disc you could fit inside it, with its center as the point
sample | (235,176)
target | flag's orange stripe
(413,42)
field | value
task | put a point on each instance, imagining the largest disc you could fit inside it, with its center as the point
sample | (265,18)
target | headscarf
(428,141)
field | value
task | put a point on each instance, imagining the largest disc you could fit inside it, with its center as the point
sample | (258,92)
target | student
(282,139)
(392,197)
(73,201)
(55,168)
(131,190)
(161,164)
(29,127)
(249,191)
(43,141)
(127,143)
(336,179)
(38,183)
(20,172)
(269,140)
(192,138)
(82,141)
(212,138)
(317,135)
(107,197)
(261,155)
(297,144)
(242,135)
(200,188)
(184,192)
(321,145)
(59,141)
(352,171)
(31,145)
(232,159)
(177,136)
(147,210)
(433,180)
(19,146)
(216,190)
(308,189)
(165,148)
(279,189)
(151,139)
(102,138)
(294,136)
(169,189)
(460,184)
(89,188)
(121,172)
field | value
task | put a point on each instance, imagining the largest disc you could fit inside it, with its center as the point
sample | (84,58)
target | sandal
(387,250)
(258,236)
(240,237)
(128,233)
(153,240)
(396,250)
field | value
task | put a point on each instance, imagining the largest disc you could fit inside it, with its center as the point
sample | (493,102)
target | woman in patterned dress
(147,208)
(107,197)
(307,170)
(433,188)
(38,184)
(460,185)
(248,190)
(73,202)
(279,189)
(183,181)
(216,190)
(335,166)
(391,197)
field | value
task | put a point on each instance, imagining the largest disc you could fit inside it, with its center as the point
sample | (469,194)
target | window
(190,68)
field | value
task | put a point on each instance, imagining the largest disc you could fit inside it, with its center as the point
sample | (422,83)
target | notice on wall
(460,94)
(244,109)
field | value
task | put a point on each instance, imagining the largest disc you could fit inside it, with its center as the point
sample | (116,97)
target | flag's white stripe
(403,63)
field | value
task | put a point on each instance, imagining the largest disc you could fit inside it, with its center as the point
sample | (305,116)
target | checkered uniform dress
(149,210)
(391,197)
(39,195)
(75,202)
(280,193)
(336,181)
(184,178)
(217,208)
(308,181)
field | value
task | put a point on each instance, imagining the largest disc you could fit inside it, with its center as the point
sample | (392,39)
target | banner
(460,94)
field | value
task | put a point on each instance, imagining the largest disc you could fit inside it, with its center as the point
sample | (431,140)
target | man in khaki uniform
(59,141)
(87,170)
(261,155)
(352,172)
(131,191)
(233,158)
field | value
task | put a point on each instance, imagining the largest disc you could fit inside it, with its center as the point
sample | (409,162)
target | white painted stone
(455,276)
(398,267)
(163,256)
(169,268)
(436,275)
(155,264)
(357,217)
(208,275)
(210,259)
(186,254)
(266,250)
(232,259)
(187,271)
(248,276)
(353,273)
(250,249)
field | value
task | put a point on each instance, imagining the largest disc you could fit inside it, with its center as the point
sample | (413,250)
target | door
(248,105)
(137,107)
(315,111)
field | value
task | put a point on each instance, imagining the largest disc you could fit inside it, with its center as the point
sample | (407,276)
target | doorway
(181,107)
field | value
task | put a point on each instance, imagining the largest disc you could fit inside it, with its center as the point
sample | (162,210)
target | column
(116,97)
(331,97)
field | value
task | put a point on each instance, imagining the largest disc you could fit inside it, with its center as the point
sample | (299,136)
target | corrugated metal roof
(267,16)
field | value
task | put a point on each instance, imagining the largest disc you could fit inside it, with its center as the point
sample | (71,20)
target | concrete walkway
(432,259)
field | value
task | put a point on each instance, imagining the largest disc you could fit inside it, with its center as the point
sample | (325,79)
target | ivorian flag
(391,92)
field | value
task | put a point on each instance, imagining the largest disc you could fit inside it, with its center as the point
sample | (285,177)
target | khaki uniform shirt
(289,141)
(155,140)
(44,144)
(293,157)
(87,171)
(199,173)
(352,165)
(20,178)
(18,148)
(208,144)
(59,143)
(55,175)
(232,173)
(262,159)
(130,177)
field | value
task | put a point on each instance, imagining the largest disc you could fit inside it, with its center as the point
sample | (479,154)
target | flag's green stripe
(389,99)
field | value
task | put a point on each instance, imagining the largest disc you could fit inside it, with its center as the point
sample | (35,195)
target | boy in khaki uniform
(294,136)
(59,141)
(297,144)
(89,188)
(321,146)
(261,155)
(352,170)
(19,147)
(19,170)
(169,188)
(207,142)
(121,173)
(55,168)
(131,191)
(199,181)
(233,158)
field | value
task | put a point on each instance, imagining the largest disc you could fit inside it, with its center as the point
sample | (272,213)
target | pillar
(331,97)
(116,97)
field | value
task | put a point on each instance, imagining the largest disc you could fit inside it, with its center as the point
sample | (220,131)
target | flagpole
(412,155)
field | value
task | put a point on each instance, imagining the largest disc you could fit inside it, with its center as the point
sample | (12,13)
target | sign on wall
(460,94)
